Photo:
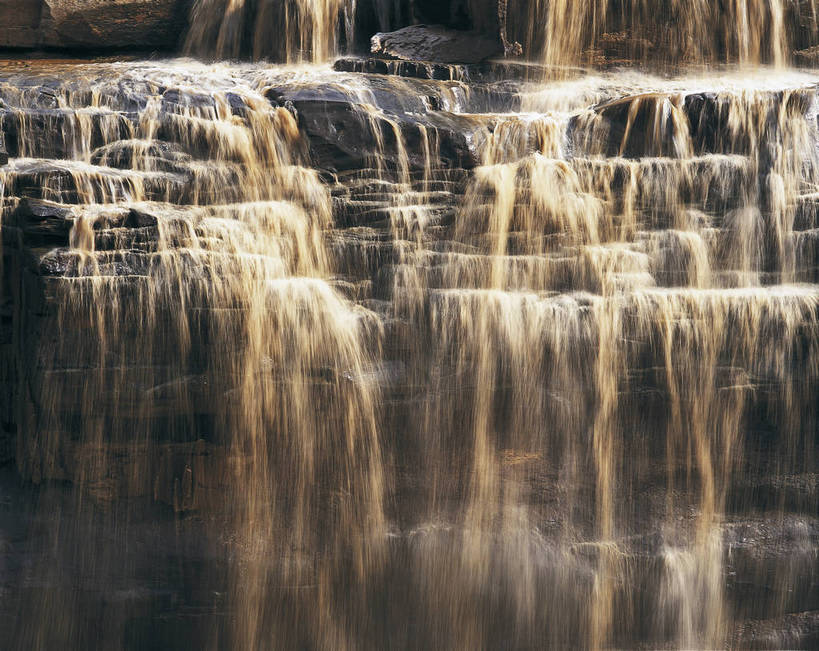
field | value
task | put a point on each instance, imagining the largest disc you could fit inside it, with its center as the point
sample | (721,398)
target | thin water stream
(302,358)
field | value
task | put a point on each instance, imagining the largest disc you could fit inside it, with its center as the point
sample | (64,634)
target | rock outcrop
(93,25)
(435,43)
(20,23)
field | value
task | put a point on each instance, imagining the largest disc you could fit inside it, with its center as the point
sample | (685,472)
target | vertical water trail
(609,333)
(524,382)
(221,329)
(282,30)
(569,33)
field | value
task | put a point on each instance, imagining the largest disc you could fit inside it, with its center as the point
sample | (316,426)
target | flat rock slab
(435,43)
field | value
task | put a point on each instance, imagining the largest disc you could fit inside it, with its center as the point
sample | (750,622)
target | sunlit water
(403,405)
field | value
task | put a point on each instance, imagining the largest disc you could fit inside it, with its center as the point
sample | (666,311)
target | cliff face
(92,24)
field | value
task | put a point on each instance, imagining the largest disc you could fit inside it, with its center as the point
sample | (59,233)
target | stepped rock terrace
(377,353)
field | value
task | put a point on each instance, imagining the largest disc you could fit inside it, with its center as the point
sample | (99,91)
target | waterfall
(414,356)
(699,31)
(285,30)
(559,32)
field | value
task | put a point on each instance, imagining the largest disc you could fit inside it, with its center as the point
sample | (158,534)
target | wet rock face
(532,264)
(93,24)
(159,25)
(19,23)
(432,43)
(101,24)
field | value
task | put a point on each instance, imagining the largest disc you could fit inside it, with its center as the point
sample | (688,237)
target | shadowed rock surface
(93,25)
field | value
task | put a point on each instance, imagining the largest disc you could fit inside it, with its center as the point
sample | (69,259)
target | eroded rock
(435,43)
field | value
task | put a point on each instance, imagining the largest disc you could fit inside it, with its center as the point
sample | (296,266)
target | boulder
(436,43)
(92,24)
(345,135)
(42,222)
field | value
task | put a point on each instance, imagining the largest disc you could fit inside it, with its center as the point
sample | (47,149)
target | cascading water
(305,358)
(231,29)
(697,31)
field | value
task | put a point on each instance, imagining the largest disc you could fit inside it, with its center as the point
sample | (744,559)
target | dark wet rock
(237,104)
(502,71)
(174,98)
(791,631)
(19,23)
(4,155)
(401,68)
(435,43)
(53,133)
(343,134)
(101,24)
(631,127)
(42,222)
(136,154)
(342,137)
(54,181)
(138,218)
(661,124)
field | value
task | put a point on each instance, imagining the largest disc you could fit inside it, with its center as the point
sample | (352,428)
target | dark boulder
(343,134)
(93,24)
(435,43)
(42,222)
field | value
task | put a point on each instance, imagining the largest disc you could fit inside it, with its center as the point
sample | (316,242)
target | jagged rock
(487,17)
(344,135)
(435,43)
(495,71)
(4,155)
(340,138)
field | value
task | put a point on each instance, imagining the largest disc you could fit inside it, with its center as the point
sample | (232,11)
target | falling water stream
(306,358)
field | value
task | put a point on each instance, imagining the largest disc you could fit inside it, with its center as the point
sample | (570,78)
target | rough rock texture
(19,23)
(435,43)
(92,24)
